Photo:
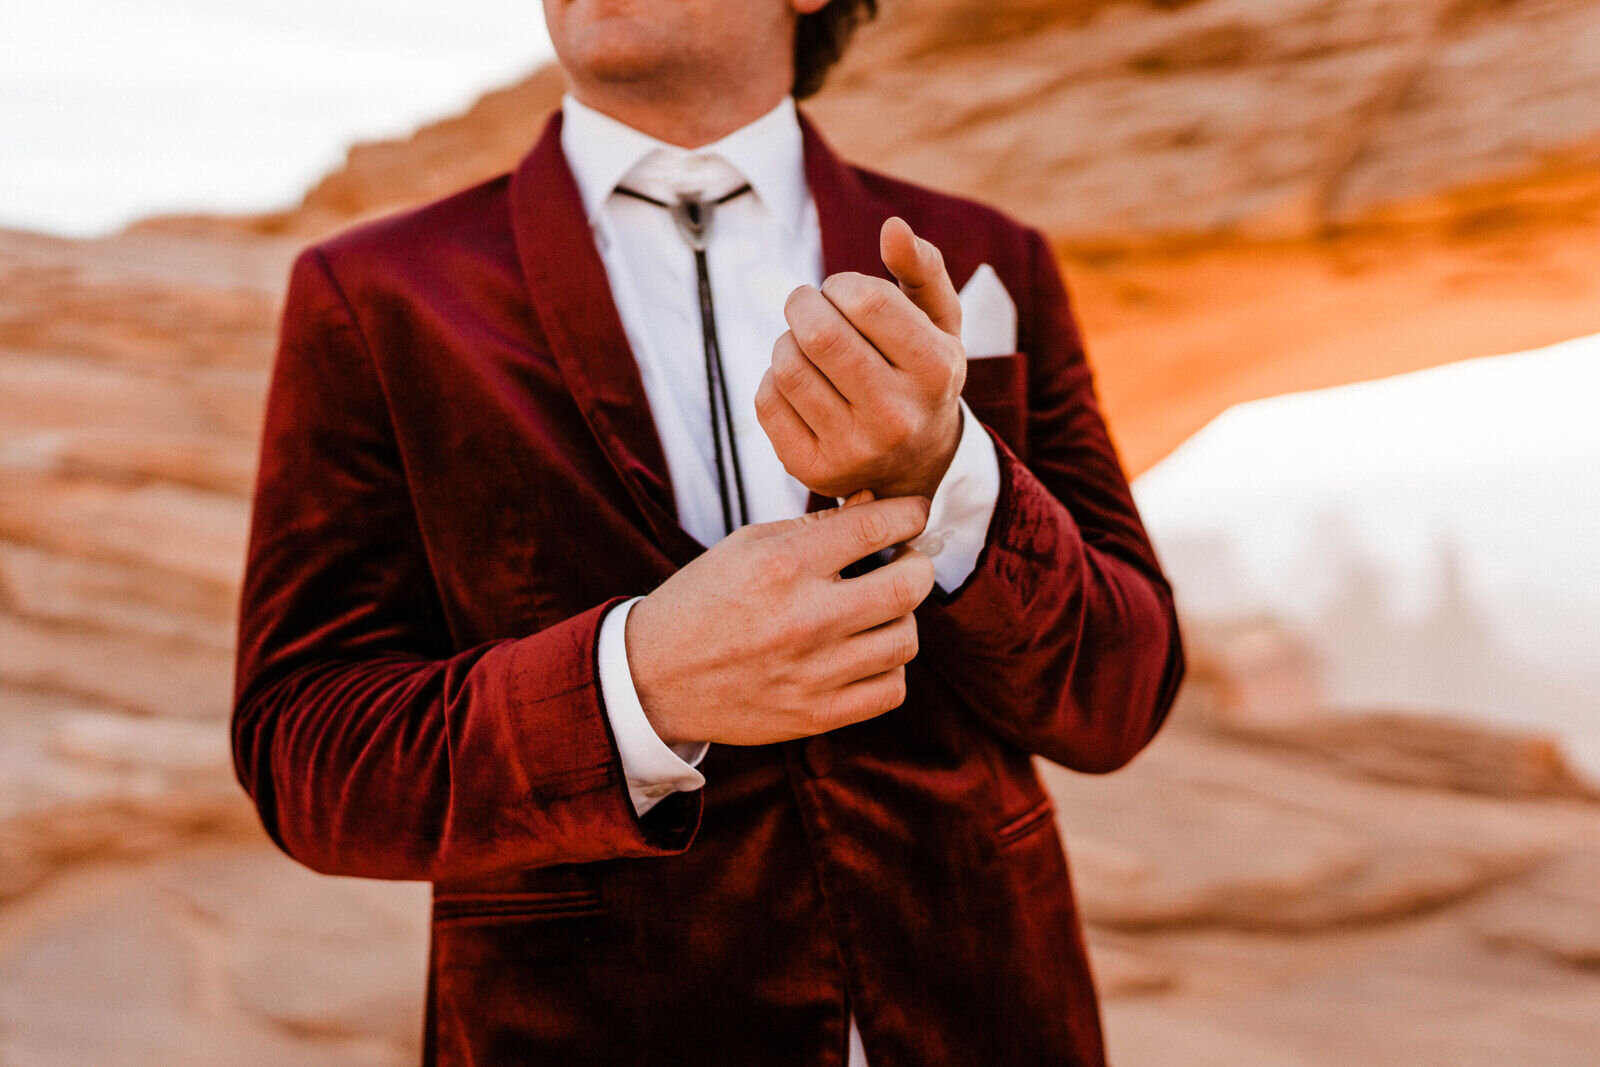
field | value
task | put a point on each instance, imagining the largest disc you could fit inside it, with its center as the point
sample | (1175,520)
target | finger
(866,699)
(919,267)
(808,390)
(880,649)
(757,531)
(885,593)
(794,442)
(898,331)
(844,535)
(834,344)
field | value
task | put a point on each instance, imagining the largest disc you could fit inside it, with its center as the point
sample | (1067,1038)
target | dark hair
(820,39)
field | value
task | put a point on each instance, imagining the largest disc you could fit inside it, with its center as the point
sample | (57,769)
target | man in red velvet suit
(769,801)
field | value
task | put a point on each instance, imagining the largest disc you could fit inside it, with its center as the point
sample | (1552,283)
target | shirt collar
(768,152)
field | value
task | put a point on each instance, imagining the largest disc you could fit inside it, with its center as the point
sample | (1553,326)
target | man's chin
(619,51)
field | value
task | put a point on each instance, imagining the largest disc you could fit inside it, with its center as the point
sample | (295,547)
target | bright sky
(114,109)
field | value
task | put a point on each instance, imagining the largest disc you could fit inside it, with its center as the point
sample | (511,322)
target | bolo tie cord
(693,218)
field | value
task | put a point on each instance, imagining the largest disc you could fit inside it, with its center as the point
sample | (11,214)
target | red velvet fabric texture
(459,474)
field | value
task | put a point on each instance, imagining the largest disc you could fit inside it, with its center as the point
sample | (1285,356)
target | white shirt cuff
(963,505)
(653,769)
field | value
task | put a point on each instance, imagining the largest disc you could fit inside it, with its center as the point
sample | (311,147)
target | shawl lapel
(572,300)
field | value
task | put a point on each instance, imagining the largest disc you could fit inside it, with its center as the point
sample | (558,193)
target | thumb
(919,268)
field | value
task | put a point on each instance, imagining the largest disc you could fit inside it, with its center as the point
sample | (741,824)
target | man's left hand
(864,388)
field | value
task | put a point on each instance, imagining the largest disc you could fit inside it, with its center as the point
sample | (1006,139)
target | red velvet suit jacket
(460,474)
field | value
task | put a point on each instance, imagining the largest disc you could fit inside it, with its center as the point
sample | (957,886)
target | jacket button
(817,755)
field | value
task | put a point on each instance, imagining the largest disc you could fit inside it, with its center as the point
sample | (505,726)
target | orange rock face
(1250,196)
(1118,120)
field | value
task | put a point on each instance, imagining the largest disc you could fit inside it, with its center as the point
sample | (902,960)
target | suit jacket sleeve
(1064,638)
(369,743)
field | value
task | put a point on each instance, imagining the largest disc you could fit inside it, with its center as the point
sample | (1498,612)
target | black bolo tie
(693,218)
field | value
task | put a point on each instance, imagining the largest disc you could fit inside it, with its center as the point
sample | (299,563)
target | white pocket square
(988,316)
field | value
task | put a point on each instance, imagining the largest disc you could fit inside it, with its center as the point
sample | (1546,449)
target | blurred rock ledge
(1103,121)
(1254,680)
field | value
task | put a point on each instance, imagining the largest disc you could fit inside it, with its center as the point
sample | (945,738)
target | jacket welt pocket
(556,904)
(1029,822)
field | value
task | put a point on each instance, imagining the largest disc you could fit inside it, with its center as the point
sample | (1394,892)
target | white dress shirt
(762,246)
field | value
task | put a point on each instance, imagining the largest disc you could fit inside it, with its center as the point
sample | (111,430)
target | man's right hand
(760,640)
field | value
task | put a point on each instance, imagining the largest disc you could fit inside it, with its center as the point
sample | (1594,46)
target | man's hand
(864,388)
(760,640)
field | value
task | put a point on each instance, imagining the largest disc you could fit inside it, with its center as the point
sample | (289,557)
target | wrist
(643,658)
(925,480)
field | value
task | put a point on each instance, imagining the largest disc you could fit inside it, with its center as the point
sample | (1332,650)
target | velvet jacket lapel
(849,215)
(572,301)
(571,298)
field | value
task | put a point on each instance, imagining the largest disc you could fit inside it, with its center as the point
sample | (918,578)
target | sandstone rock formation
(1105,120)
(131,378)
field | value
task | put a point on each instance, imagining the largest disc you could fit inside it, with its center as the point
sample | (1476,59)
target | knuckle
(839,287)
(790,371)
(956,373)
(903,592)
(894,690)
(938,367)
(774,569)
(856,295)
(812,719)
(811,673)
(828,620)
(870,300)
(946,359)
(848,706)
(907,645)
(826,340)
(797,640)
(800,466)
(871,529)
(766,398)
(895,424)
(801,456)
(819,716)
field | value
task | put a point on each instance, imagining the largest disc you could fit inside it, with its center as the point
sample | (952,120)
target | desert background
(1370,833)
